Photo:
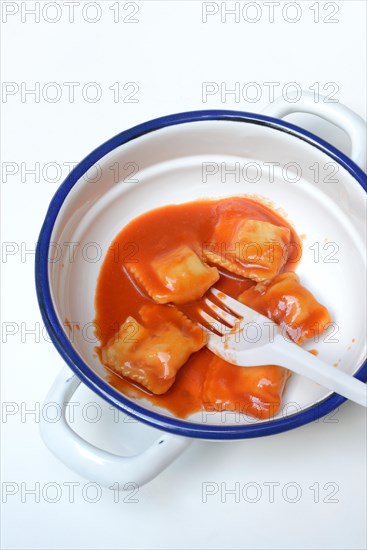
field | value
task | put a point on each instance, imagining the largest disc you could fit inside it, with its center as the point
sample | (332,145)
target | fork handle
(302,362)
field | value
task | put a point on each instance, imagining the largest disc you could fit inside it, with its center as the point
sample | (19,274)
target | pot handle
(336,113)
(93,463)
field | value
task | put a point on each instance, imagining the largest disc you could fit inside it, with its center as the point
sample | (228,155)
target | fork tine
(234,305)
(205,329)
(230,319)
(215,324)
(214,342)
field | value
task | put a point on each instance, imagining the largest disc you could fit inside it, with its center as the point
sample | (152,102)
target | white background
(168,53)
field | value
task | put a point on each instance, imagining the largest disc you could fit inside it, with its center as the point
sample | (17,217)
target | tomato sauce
(118,295)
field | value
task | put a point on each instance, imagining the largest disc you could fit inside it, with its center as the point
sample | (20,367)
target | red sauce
(68,325)
(118,296)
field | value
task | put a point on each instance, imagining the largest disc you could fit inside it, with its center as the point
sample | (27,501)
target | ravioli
(151,352)
(286,302)
(254,249)
(180,276)
(158,354)
(255,391)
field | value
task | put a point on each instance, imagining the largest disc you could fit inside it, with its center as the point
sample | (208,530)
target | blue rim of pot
(86,374)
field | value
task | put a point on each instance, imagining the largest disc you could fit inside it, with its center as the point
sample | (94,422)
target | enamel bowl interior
(185,162)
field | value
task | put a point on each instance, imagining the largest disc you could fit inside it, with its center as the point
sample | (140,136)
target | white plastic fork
(248,339)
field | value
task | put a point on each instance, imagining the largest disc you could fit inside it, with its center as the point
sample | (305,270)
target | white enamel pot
(180,158)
